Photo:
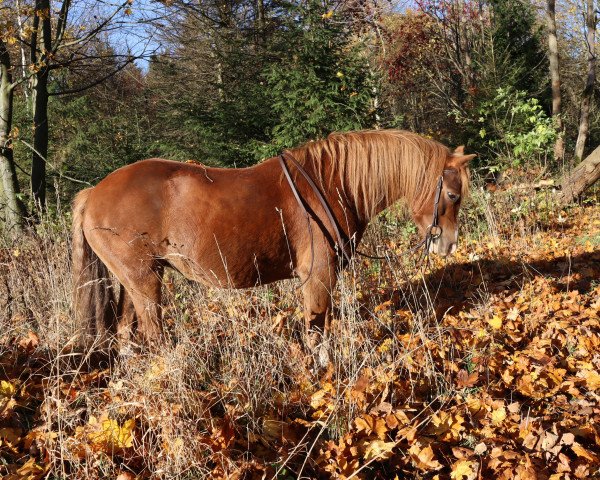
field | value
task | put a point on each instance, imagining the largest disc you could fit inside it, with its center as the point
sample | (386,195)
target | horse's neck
(360,210)
(346,210)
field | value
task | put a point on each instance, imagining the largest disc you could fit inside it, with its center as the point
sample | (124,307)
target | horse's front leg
(317,309)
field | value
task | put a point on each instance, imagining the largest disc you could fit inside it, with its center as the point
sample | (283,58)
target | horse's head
(441,231)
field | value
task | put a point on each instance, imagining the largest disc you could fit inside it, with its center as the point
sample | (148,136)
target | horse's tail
(93,301)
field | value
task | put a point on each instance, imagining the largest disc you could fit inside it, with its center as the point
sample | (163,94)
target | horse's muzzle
(440,246)
(442,251)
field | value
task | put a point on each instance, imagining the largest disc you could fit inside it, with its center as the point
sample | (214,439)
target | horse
(301,214)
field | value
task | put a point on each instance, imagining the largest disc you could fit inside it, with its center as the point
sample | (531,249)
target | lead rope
(286,172)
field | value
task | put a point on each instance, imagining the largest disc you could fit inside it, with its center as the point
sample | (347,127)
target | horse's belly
(231,268)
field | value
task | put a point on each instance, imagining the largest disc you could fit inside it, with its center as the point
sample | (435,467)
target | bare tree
(13,210)
(559,149)
(586,97)
(51,49)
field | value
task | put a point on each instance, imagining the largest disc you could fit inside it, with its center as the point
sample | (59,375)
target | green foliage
(302,80)
(512,129)
(505,119)
(217,123)
(321,82)
(94,136)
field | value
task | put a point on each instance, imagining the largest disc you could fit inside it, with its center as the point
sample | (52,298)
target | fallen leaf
(464,470)
(378,449)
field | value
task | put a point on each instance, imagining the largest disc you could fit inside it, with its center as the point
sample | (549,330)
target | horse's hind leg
(146,296)
(125,317)
(141,289)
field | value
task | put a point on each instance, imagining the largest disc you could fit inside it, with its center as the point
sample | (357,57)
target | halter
(433,232)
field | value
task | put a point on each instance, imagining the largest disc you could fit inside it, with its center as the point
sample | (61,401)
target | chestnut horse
(238,228)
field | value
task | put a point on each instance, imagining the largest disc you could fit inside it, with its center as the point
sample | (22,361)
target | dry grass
(227,376)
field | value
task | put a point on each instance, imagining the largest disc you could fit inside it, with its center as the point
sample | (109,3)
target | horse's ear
(458,159)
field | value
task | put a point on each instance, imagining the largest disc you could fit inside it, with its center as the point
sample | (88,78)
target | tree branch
(92,33)
(95,82)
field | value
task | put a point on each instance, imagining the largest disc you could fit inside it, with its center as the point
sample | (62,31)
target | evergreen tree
(515,35)
(321,82)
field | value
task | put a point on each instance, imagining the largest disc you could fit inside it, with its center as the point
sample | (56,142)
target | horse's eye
(453,196)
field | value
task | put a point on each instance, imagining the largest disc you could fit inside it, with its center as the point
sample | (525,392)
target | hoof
(128,350)
(323,355)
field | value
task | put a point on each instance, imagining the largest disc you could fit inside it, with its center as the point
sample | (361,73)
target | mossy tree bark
(12,211)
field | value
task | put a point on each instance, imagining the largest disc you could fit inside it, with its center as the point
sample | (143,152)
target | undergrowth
(482,366)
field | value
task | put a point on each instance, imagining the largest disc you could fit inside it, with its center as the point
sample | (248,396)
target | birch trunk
(586,97)
(555,78)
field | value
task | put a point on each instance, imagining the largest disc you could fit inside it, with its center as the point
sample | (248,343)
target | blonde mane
(377,167)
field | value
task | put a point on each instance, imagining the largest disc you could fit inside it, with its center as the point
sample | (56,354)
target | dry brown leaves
(512,388)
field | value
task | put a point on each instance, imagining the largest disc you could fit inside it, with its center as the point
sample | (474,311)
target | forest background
(91,86)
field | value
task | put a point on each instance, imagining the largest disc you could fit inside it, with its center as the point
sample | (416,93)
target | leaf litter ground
(488,366)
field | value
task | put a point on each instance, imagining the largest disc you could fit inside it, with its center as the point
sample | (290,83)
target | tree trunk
(579,179)
(260,22)
(40,102)
(559,149)
(12,208)
(586,97)
(40,138)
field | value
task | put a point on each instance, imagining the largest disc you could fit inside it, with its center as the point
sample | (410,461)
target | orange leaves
(7,401)
(501,383)
(30,470)
(222,436)
(495,322)
(523,369)
(591,379)
(378,450)
(30,342)
(582,452)
(498,416)
(464,470)
(423,458)
(446,427)
(541,383)
(371,425)
(322,401)
(465,379)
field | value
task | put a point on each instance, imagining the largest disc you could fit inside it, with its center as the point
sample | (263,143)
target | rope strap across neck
(339,243)
(434,230)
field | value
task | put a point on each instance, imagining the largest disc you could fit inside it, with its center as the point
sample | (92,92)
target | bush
(512,129)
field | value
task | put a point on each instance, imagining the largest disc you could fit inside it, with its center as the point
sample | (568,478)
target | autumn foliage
(485,366)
